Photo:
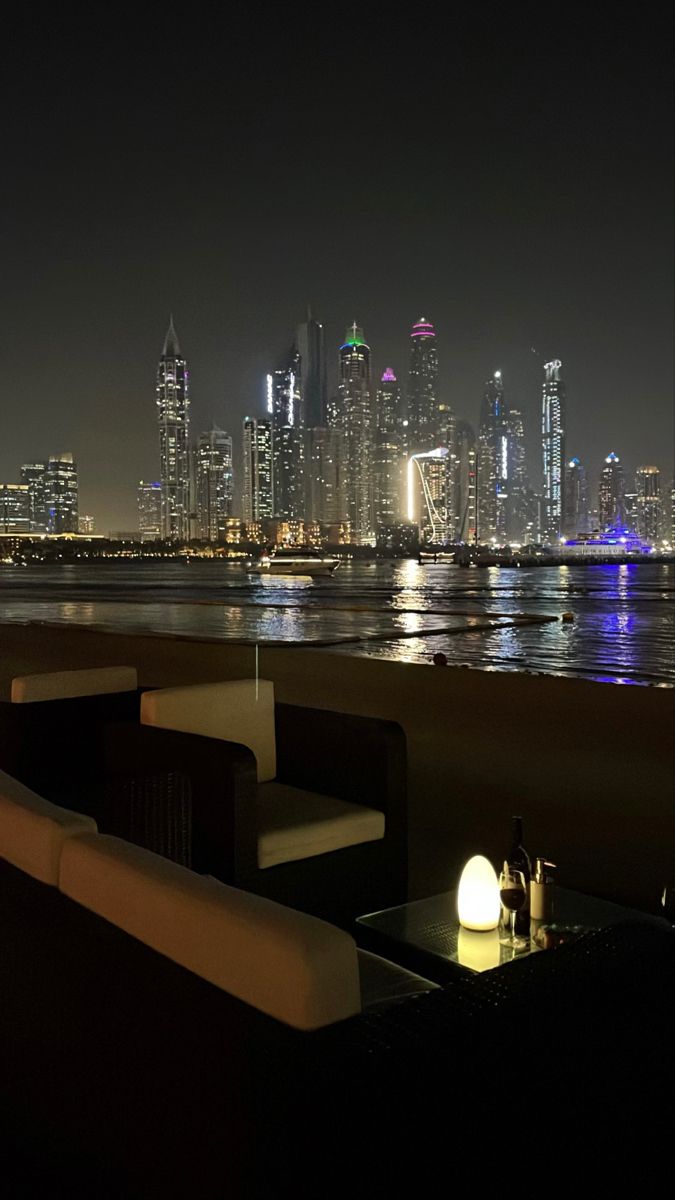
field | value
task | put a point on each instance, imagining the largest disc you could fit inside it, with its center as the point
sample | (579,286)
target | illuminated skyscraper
(423,397)
(354,417)
(149,511)
(465,505)
(257,492)
(61,490)
(553,427)
(577,519)
(517,503)
(648,488)
(284,408)
(326,499)
(34,476)
(173,414)
(493,463)
(310,344)
(214,484)
(15,508)
(388,452)
(611,493)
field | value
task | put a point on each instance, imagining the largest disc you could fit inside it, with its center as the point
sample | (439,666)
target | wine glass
(513,894)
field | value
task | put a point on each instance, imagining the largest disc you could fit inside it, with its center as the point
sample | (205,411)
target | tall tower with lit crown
(423,397)
(611,493)
(355,419)
(173,416)
(553,427)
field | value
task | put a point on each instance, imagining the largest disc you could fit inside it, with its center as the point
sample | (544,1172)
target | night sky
(502,170)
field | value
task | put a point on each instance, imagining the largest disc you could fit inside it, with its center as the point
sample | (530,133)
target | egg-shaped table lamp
(478,903)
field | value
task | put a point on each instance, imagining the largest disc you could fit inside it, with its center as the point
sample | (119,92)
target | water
(624,616)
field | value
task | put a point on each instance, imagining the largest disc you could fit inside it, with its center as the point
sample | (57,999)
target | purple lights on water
(388,376)
(423,328)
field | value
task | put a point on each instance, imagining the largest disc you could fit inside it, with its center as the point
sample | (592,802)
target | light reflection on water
(623,627)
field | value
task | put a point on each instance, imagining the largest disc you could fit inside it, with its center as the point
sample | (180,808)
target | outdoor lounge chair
(51,732)
(302,805)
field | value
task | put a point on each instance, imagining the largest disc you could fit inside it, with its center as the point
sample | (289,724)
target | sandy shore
(589,765)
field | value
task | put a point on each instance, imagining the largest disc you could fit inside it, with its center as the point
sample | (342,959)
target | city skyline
(285,407)
(518,214)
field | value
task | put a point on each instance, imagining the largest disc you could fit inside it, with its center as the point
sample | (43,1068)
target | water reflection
(623,628)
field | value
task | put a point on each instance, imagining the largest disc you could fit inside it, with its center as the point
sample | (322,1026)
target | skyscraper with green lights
(355,418)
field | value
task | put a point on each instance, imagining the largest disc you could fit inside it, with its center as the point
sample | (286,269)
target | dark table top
(425,935)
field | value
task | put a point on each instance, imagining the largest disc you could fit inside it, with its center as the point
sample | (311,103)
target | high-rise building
(429,500)
(258,474)
(61,490)
(214,484)
(518,484)
(15,508)
(149,511)
(310,343)
(465,504)
(173,414)
(86,525)
(577,517)
(423,396)
(324,483)
(355,420)
(388,452)
(493,463)
(34,476)
(284,408)
(611,491)
(649,516)
(553,427)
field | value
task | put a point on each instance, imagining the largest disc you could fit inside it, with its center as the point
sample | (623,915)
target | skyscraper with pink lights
(423,397)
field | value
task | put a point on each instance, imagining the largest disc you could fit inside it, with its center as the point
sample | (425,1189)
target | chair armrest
(217,781)
(360,759)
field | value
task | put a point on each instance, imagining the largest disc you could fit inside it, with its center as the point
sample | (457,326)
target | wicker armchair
(197,800)
(51,734)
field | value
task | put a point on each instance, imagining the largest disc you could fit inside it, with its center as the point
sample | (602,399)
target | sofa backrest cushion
(65,685)
(291,966)
(240,710)
(33,831)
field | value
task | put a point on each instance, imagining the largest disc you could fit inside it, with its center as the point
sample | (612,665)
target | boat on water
(292,560)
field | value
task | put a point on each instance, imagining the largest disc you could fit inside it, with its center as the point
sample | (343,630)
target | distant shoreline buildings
(379,464)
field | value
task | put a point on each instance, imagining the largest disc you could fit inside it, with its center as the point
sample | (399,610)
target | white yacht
(291,560)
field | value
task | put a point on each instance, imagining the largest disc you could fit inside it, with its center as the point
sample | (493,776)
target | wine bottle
(519,859)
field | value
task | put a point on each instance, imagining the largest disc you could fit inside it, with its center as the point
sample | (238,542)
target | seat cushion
(294,824)
(383,982)
(33,831)
(291,966)
(241,710)
(65,685)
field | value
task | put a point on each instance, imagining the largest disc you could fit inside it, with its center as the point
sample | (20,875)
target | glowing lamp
(478,903)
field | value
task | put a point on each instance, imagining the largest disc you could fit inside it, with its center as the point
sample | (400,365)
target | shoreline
(586,766)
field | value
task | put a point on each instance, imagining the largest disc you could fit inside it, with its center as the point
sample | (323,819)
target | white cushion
(294,824)
(287,964)
(33,831)
(239,711)
(65,685)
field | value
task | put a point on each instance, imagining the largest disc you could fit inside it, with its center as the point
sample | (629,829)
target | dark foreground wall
(589,765)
